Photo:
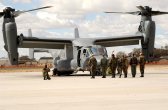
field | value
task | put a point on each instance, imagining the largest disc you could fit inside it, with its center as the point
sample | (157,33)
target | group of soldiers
(119,64)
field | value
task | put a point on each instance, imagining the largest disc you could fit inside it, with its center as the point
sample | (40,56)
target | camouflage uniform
(142,64)
(125,66)
(45,73)
(103,64)
(113,65)
(119,67)
(93,65)
(133,63)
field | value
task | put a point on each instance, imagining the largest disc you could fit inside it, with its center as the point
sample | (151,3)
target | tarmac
(28,91)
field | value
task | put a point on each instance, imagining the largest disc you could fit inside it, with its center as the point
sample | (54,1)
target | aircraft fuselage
(80,58)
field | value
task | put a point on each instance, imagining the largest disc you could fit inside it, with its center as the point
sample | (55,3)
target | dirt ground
(34,68)
(39,69)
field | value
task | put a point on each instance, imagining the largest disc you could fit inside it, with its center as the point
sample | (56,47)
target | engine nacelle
(149,39)
(11,38)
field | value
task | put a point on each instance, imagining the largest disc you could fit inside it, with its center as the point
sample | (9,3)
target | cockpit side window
(98,51)
(94,51)
(85,53)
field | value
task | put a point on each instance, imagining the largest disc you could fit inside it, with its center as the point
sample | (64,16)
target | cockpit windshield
(98,50)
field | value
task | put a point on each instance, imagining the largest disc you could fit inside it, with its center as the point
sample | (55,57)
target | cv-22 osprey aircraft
(78,50)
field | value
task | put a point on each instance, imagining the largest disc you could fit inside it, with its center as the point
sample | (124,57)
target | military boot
(113,76)
(142,75)
(120,76)
(125,75)
(104,77)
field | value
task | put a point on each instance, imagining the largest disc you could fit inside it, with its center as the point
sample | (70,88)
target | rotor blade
(154,13)
(38,8)
(133,13)
(17,13)
(140,8)
(1,14)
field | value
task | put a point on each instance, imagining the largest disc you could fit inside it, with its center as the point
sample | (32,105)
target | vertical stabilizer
(76,33)
(31,50)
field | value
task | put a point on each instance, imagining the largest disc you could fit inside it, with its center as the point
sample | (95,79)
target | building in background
(4,61)
(45,60)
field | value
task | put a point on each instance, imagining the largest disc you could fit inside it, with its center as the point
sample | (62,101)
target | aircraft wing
(119,41)
(33,42)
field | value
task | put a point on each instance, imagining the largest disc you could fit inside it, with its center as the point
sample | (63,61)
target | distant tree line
(158,52)
(24,59)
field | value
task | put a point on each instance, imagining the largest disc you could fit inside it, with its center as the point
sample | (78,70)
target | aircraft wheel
(66,73)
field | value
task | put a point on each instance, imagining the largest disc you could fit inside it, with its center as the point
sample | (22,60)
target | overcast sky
(60,20)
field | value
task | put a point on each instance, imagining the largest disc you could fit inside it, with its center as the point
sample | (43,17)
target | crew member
(93,66)
(142,62)
(103,64)
(119,67)
(133,63)
(125,66)
(45,73)
(113,65)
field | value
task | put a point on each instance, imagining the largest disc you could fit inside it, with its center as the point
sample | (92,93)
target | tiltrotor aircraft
(78,50)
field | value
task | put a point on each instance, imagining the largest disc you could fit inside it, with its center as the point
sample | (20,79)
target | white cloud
(161,40)
(1,6)
(23,1)
(88,16)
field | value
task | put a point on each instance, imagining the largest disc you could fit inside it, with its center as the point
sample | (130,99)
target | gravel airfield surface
(28,91)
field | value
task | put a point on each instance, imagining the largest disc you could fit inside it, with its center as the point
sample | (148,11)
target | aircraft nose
(98,58)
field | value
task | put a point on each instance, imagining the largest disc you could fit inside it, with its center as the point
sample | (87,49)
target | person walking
(142,62)
(103,64)
(119,66)
(93,66)
(125,66)
(133,63)
(113,65)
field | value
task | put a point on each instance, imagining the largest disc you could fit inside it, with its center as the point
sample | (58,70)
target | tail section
(31,50)
(76,33)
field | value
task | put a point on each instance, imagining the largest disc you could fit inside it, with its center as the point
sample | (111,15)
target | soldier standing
(93,65)
(113,65)
(125,66)
(133,63)
(142,62)
(45,73)
(103,64)
(119,67)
